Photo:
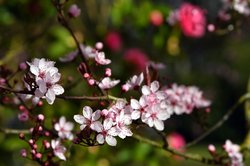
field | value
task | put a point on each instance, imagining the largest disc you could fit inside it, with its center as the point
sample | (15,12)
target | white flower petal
(135,104)
(79,119)
(100,139)
(159,125)
(154,86)
(58,89)
(145,90)
(110,140)
(135,115)
(87,112)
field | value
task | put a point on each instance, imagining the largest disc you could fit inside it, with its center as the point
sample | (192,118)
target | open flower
(58,149)
(89,119)
(64,128)
(100,59)
(107,83)
(133,82)
(104,133)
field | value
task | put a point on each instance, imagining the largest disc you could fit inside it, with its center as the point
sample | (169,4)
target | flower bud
(74,11)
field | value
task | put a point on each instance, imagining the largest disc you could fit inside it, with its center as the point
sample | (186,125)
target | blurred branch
(14,131)
(188,156)
(241,100)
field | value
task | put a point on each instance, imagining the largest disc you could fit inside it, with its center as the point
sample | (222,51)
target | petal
(87,112)
(96,126)
(135,115)
(42,85)
(163,115)
(145,90)
(58,89)
(69,126)
(96,115)
(135,104)
(159,125)
(50,96)
(107,124)
(34,70)
(57,127)
(100,139)
(62,121)
(143,101)
(110,140)
(83,126)
(38,93)
(79,119)
(60,156)
(154,86)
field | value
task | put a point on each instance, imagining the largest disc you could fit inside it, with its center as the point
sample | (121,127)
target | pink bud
(211,27)
(86,75)
(74,11)
(31,141)
(46,144)
(40,128)
(99,45)
(23,153)
(40,117)
(125,87)
(22,66)
(46,133)
(34,146)
(38,155)
(108,72)
(91,82)
(211,148)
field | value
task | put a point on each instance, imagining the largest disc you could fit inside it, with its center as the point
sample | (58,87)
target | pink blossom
(113,41)
(133,82)
(176,141)
(107,83)
(192,20)
(74,11)
(58,149)
(24,116)
(89,119)
(156,17)
(104,133)
(64,128)
(100,59)
(137,58)
(233,151)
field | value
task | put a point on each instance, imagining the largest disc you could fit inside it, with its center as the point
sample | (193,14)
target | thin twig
(188,156)
(221,121)
(14,131)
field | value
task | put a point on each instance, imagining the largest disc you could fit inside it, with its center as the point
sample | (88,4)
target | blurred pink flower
(74,11)
(176,141)
(156,17)
(137,58)
(113,41)
(192,20)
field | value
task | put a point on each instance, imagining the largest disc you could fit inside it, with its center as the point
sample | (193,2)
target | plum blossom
(183,99)
(104,133)
(233,151)
(58,149)
(107,83)
(64,128)
(89,119)
(46,78)
(100,59)
(155,116)
(138,107)
(133,82)
(121,128)
(49,88)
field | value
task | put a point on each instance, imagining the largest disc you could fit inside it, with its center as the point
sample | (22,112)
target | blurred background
(218,63)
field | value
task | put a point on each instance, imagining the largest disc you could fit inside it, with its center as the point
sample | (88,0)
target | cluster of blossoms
(155,105)
(63,129)
(233,152)
(46,78)
(108,123)
(191,18)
